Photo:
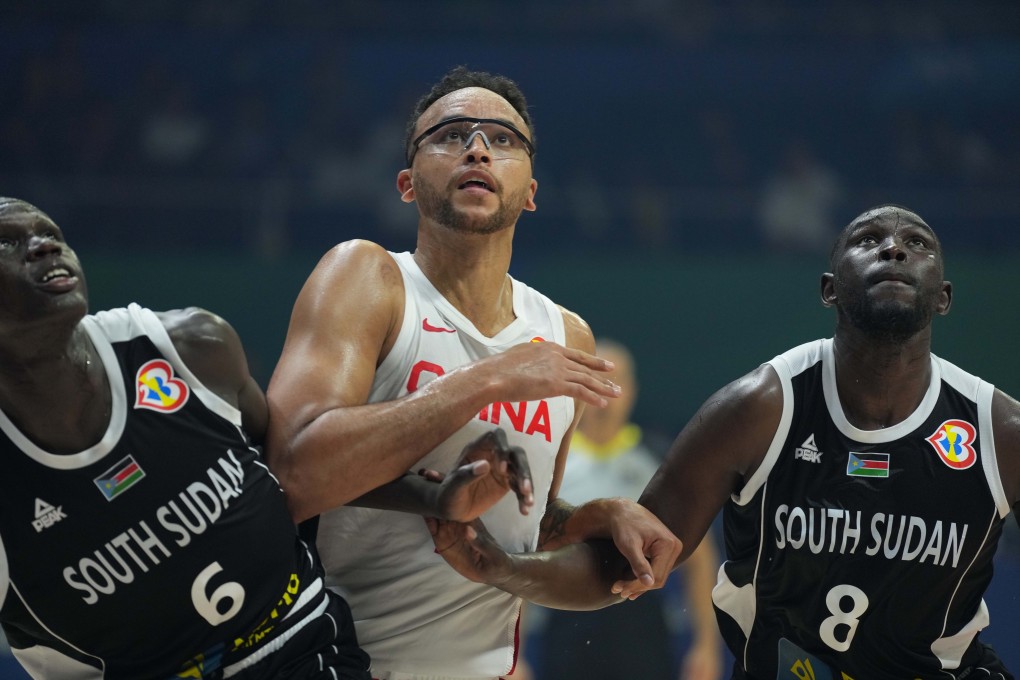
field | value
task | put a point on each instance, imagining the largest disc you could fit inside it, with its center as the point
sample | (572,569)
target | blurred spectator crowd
(661,125)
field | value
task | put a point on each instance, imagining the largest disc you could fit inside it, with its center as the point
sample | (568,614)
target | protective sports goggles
(455,135)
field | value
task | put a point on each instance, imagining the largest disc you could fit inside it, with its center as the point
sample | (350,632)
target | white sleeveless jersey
(414,614)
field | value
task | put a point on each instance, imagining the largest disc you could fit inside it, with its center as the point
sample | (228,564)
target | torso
(414,613)
(861,527)
(152,529)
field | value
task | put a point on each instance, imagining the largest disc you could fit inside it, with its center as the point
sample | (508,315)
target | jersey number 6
(209,607)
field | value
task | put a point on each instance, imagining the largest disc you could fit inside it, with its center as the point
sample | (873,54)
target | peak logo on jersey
(952,441)
(46,515)
(808,451)
(538,338)
(868,465)
(119,478)
(426,326)
(157,388)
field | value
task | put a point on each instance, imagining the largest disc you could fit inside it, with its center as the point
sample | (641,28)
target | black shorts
(325,649)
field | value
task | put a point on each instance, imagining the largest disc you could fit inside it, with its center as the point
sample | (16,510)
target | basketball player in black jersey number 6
(865,482)
(141,536)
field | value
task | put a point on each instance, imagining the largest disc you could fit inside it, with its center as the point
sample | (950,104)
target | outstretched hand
(487,469)
(651,549)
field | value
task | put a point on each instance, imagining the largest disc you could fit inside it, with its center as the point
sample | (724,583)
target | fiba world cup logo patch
(157,389)
(953,442)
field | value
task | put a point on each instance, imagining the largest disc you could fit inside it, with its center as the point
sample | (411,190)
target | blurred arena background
(694,160)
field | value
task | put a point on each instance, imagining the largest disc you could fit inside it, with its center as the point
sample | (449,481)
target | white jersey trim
(885,434)
(46,662)
(761,475)
(989,458)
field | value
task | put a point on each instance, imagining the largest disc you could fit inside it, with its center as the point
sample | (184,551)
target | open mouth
(481,184)
(55,273)
(58,280)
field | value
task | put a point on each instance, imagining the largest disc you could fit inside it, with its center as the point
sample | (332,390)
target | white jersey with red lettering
(413,613)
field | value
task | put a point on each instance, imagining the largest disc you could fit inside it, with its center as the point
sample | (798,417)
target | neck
(880,383)
(471,271)
(57,393)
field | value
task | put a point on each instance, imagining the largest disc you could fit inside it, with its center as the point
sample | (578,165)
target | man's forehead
(471,102)
(13,209)
(889,215)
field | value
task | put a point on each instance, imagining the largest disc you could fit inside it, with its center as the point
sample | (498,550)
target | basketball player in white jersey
(865,483)
(393,361)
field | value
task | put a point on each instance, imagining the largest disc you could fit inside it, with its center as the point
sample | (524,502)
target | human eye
(451,134)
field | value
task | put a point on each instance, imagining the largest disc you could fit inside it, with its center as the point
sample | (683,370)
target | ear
(530,204)
(946,299)
(828,290)
(405,186)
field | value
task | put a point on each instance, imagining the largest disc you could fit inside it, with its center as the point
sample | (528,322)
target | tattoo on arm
(553,524)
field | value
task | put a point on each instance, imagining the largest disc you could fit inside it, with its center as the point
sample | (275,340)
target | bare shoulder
(578,332)
(744,416)
(1006,421)
(196,326)
(209,346)
(355,276)
(357,258)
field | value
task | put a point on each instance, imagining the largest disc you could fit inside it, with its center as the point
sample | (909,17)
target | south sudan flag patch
(868,465)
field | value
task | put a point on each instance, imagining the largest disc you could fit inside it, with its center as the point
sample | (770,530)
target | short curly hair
(457,79)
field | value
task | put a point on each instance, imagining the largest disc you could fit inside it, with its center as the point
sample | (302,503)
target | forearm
(575,577)
(346,452)
(564,524)
(407,493)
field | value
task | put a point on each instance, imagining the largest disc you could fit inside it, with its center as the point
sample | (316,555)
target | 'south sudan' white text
(847,532)
(190,513)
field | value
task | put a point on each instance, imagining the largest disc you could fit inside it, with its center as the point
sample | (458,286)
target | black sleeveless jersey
(164,549)
(864,555)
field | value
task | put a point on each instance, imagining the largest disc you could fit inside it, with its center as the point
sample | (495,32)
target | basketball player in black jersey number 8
(864,483)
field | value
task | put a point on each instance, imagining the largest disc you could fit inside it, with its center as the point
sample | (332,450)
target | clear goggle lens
(454,136)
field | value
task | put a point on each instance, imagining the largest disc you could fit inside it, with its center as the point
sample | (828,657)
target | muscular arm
(711,458)
(325,444)
(210,347)
(714,455)
(1006,420)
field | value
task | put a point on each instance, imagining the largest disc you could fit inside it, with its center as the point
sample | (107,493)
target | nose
(41,246)
(477,148)
(892,249)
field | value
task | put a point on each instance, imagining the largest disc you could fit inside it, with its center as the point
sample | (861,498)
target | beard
(439,207)
(888,321)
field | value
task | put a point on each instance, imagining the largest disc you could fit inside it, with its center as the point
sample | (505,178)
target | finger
(520,478)
(498,436)
(592,390)
(629,589)
(663,555)
(589,360)
(464,474)
(431,475)
(639,564)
